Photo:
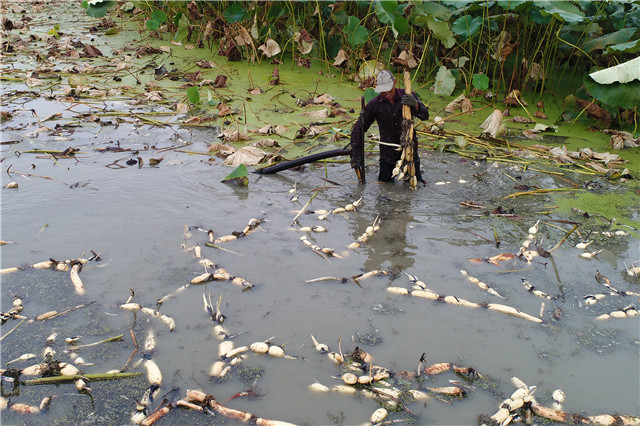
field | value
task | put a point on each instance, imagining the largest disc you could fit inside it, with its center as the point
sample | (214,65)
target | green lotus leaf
(152,24)
(98,9)
(441,31)
(193,94)
(563,11)
(183,28)
(511,4)
(340,16)
(445,82)
(629,47)
(234,13)
(357,34)
(275,11)
(128,7)
(400,25)
(480,81)
(467,26)
(239,175)
(158,15)
(386,10)
(633,16)
(623,95)
(614,38)
(430,8)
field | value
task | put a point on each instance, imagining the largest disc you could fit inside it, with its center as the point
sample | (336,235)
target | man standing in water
(386,110)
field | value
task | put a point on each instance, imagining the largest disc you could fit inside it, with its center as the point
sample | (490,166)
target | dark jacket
(389,119)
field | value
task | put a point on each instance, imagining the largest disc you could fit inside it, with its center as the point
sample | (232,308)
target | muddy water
(134,217)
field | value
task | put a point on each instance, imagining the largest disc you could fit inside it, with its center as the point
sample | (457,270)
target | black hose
(304,160)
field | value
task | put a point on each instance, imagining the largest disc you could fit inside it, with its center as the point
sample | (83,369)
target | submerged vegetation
(488,46)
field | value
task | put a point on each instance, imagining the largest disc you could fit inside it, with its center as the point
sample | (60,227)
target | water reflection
(388,248)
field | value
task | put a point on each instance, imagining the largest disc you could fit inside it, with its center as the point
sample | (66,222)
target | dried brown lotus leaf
(265,143)
(304,42)
(243,38)
(220,147)
(266,130)
(596,166)
(521,119)
(341,59)
(529,134)
(467,107)
(234,136)
(270,48)
(154,96)
(33,82)
(408,56)
(560,155)
(515,99)
(323,99)
(248,155)
(224,109)
(455,104)
(315,130)
(536,72)
(492,124)
(317,115)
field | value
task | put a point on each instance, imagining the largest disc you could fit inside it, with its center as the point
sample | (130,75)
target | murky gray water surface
(135,218)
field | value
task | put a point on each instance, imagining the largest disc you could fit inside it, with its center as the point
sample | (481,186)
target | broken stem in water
(303,209)
(557,246)
(60,379)
(110,339)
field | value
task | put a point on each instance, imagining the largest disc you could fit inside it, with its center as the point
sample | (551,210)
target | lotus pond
(133,181)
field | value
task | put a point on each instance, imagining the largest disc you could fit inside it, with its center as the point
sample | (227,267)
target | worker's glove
(410,101)
(356,162)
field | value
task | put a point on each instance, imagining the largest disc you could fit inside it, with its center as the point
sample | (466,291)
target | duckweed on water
(600,340)
(610,205)
(371,338)
(249,374)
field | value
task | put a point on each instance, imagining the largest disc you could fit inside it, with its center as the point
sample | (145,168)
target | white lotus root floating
(523,398)
(251,225)
(481,285)
(629,311)
(348,208)
(420,290)
(368,233)
(165,319)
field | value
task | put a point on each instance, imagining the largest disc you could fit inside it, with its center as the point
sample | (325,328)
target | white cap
(385,81)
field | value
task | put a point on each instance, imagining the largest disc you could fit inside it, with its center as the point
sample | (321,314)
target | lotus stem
(539,191)
(94,377)
(110,339)
(13,329)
